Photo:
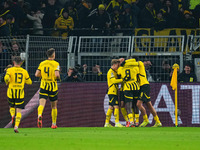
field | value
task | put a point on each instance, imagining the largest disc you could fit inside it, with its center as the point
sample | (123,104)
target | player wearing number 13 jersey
(48,70)
(15,78)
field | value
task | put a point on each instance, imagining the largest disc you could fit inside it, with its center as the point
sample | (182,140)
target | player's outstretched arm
(114,80)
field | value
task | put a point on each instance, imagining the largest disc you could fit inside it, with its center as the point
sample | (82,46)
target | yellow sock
(116,115)
(54,115)
(157,120)
(12,111)
(137,117)
(17,119)
(130,116)
(133,115)
(108,115)
(124,113)
(40,110)
(145,118)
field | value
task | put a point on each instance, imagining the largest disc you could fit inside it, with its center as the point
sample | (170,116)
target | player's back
(142,76)
(17,78)
(48,79)
(129,75)
(129,71)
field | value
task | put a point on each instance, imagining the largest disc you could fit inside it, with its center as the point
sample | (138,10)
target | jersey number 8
(128,75)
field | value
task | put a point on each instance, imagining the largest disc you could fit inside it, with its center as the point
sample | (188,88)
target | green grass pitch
(92,138)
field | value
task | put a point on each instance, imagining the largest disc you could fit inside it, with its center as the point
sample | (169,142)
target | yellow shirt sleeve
(27,78)
(7,76)
(39,68)
(57,67)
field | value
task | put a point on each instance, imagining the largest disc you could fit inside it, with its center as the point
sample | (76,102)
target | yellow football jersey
(129,74)
(113,82)
(142,76)
(48,80)
(16,77)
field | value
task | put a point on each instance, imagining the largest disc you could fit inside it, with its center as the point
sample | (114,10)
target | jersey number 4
(46,70)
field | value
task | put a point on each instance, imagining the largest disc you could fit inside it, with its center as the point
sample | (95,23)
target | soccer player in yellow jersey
(48,70)
(15,78)
(113,94)
(130,87)
(135,110)
(122,103)
(145,98)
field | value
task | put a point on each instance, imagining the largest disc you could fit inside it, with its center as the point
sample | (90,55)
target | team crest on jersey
(112,75)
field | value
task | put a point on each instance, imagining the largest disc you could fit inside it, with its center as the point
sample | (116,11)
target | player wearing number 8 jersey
(15,78)
(48,70)
(130,87)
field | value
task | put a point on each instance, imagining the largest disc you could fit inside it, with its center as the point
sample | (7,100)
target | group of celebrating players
(134,91)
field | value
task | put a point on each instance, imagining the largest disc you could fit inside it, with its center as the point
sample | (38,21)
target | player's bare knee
(116,107)
(110,107)
(139,104)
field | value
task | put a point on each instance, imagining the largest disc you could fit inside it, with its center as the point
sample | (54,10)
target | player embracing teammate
(135,91)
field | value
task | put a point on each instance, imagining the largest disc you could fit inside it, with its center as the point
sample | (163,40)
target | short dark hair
(17,59)
(50,52)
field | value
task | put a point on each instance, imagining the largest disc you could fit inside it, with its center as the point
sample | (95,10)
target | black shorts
(130,96)
(145,93)
(113,100)
(17,103)
(121,94)
(53,96)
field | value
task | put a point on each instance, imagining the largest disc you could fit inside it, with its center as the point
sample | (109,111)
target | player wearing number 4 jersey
(15,78)
(48,70)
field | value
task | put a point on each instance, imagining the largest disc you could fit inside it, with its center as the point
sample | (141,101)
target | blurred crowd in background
(96,17)
(101,17)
